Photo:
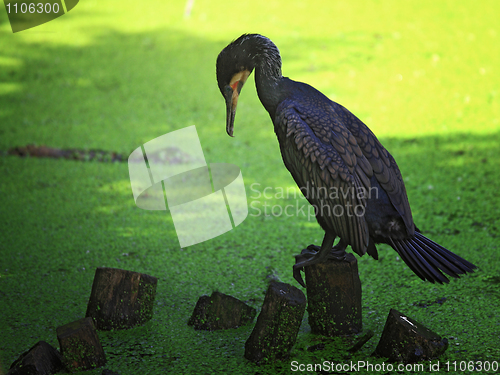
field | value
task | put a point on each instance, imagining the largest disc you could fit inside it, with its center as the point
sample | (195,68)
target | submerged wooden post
(80,345)
(220,311)
(121,299)
(42,358)
(278,324)
(406,340)
(334,297)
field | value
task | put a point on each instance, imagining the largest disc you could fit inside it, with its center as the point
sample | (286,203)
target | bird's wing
(327,164)
(384,166)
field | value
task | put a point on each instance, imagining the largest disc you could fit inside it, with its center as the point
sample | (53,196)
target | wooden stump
(121,299)
(42,358)
(80,345)
(334,297)
(278,324)
(220,311)
(405,340)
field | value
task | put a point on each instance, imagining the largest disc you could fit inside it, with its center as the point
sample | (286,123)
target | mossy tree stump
(405,340)
(220,311)
(277,325)
(42,358)
(334,297)
(121,299)
(80,345)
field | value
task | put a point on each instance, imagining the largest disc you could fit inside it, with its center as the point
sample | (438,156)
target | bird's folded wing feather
(325,158)
(383,164)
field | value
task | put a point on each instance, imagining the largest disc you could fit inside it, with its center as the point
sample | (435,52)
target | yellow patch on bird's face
(234,98)
(239,77)
(236,84)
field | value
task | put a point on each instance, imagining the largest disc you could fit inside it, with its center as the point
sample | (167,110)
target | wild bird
(345,173)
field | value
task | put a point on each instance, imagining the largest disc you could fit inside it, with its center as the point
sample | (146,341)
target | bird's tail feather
(427,259)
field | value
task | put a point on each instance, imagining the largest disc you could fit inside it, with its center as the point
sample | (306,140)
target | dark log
(277,325)
(72,153)
(41,359)
(405,340)
(80,345)
(109,372)
(220,311)
(334,297)
(121,299)
(361,341)
(317,347)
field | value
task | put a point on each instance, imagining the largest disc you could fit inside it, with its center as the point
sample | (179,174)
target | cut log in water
(220,311)
(121,299)
(406,340)
(42,358)
(334,297)
(80,345)
(277,325)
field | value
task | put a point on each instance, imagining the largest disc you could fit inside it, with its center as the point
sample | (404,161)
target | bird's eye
(228,89)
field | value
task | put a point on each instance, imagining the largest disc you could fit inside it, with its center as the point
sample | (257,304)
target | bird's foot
(312,255)
(337,253)
(300,262)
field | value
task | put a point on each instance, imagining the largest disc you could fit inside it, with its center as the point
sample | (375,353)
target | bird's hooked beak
(231,95)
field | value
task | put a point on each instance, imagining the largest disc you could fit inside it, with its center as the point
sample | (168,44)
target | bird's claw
(309,256)
(298,276)
(337,254)
(300,260)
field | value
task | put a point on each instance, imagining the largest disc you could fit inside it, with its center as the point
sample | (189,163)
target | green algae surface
(108,75)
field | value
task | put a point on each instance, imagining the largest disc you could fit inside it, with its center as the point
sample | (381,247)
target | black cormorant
(353,183)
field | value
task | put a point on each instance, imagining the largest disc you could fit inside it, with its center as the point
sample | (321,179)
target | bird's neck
(268,80)
(268,88)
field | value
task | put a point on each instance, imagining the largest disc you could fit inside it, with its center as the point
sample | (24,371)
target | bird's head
(237,61)
(234,65)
